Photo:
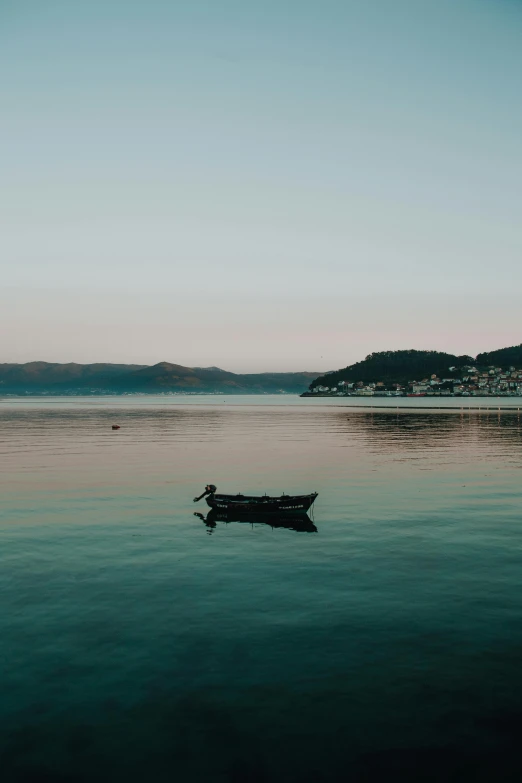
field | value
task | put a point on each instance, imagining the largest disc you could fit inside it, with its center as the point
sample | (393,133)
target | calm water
(138,644)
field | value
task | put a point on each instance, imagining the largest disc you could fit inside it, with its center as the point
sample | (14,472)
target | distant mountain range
(386,366)
(403,366)
(50,378)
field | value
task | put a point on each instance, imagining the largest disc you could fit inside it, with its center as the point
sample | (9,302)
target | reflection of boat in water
(301,523)
(257,504)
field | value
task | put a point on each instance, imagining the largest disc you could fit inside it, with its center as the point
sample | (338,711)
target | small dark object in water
(115,426)
(250,504)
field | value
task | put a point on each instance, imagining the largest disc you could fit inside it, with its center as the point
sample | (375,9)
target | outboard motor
(209,490)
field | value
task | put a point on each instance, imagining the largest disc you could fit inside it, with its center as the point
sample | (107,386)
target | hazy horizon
(238,371)
(260,187)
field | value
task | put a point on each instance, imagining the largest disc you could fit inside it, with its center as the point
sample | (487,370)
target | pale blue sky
(259,185)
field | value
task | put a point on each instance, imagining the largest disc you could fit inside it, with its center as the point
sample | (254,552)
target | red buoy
(115,426)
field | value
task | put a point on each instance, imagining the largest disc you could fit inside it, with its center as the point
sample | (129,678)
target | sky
(259,184)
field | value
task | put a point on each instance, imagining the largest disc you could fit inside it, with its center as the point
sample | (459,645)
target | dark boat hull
(242,505)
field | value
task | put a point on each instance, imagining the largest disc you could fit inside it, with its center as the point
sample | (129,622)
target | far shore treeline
(385,368)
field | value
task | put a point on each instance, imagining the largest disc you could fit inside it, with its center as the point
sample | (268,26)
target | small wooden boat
(257,504)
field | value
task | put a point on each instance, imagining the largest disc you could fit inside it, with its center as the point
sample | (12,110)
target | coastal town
(472,382)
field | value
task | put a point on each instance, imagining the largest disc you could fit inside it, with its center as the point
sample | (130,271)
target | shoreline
(266,401)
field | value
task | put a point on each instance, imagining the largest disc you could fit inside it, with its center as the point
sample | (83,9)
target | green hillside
(53,378)
(396,367)
(504,357)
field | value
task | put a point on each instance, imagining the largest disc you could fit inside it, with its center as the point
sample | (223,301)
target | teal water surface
(137,643)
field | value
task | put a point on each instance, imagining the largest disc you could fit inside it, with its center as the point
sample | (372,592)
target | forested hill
(164,377)
(504,357)
(396,367)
